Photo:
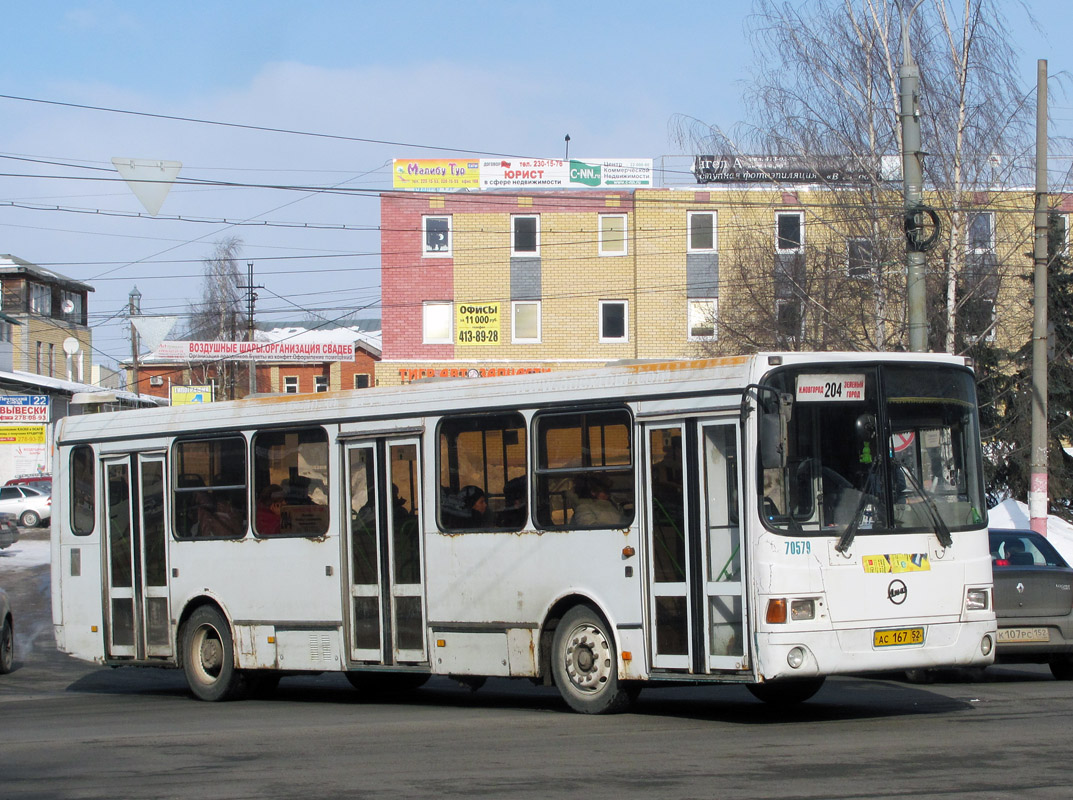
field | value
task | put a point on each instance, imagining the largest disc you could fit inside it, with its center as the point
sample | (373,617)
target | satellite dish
(68,306)
(70,345)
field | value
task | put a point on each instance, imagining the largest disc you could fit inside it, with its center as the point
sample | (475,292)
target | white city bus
(766,520)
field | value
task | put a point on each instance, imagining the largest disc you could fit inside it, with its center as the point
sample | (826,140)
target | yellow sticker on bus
(896,563)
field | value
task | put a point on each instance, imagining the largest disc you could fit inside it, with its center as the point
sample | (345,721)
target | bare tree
(826,85)
(218,315)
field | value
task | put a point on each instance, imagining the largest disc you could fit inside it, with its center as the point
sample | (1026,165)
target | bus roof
(616,382)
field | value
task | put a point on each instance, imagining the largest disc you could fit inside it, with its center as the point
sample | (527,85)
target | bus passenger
(595,508)
(269,504)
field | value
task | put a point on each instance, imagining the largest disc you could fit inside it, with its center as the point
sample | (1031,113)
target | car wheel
(29,519)
(585,665)
(7,647)
(1062,668)
(786,693)
(209,657)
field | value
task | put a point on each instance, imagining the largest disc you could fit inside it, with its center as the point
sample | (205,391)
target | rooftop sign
(779,169)
(439,174)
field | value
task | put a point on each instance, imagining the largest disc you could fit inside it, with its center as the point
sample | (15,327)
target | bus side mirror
(774,434)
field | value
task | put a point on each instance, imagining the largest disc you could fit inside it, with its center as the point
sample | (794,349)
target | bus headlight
(796,657)
(803,609)
(976,600)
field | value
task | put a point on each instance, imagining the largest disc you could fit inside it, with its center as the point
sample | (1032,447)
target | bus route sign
(829,387)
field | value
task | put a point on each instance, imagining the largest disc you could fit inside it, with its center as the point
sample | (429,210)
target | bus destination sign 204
(829,388)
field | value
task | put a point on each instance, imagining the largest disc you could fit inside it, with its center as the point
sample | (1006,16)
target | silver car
(29,506)
(7,635)
(1033,601)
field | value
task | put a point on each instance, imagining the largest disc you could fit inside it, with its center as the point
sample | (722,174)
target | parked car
(9,530)
(43,483)
(30,506)
(1033,601)
(7,635)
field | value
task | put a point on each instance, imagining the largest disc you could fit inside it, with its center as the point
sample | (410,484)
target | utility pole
(913,177)
(251,300)
(134,309)
(1037,490)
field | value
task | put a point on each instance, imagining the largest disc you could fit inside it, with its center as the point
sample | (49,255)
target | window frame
(290,381)
(969,245)
(625,251)
(800,333)
(514,337)
(40,293)
(514,251)
(426,252)
(800,247)
(257,461)
(625,338)
(869,271)
(78,490)
(358,377)
(321,384)
(426,307)
(695,302)
(183,533)
(690,248)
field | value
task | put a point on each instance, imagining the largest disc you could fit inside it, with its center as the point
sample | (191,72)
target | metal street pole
(1037,491)
(134,309)
(913,177)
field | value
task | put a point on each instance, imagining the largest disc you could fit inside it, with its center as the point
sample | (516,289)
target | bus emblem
(897,592)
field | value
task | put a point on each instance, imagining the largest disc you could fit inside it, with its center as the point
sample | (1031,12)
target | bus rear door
(136,597)
(695,561)
(386,608)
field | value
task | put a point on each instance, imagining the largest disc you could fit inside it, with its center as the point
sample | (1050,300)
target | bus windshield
(872,450)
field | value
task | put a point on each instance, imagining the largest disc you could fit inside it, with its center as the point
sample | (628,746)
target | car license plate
(1024,635)
(900,636)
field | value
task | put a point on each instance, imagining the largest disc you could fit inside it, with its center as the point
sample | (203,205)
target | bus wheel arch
(207,653)
(580,655)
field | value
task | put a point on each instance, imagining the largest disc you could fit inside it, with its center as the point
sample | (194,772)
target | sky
(375,81)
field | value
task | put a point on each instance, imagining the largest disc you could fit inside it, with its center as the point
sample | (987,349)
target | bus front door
(695,557)
(386,608)
(136,598)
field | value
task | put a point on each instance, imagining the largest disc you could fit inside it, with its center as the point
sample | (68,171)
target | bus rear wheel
(786,693)
(209,657)
(585,665)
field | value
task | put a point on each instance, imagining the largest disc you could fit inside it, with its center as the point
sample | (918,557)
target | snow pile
(1014,514)
(25,553)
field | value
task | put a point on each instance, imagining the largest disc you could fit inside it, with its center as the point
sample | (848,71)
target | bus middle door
(695,555)
(136,591)
(386,606)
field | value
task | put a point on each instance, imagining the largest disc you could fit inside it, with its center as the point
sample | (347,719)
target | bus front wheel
(585,665)
(786,693)
(209,657)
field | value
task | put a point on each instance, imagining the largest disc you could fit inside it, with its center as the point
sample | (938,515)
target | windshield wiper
(846,539)
(942,532)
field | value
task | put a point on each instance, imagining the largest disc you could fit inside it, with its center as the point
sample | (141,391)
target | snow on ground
(25,553)
(1014,514)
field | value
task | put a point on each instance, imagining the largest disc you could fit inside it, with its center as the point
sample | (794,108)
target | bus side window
(483,475)
(83,506)
(210,497)
(584,466)
(290,482)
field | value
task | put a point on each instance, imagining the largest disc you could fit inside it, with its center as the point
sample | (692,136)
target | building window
(789,232)
(361,381)
(525,235)
(52,360)
(71,306)
(290,384)
(860,257)
(613,321)
(981,232)
(40,299)
(525,322)
(320,383)
(437,323)
(437,231)
(701,232)
(612,234)
(37,364)
(1061,232)
(702,319)
(788,320)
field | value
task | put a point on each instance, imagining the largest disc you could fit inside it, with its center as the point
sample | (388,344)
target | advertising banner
(434,174)
(477,323)
(778,169)
(551,173)
(22,434)
(190,395)
(255,351)
(24,408)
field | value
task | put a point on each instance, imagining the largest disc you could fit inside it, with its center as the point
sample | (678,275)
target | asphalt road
(73,730)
